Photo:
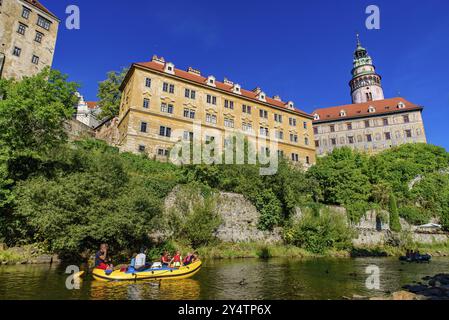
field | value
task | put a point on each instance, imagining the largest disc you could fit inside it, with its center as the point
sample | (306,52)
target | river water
(228,279)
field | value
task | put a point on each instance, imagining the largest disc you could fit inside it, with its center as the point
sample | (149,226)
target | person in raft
(165,259)
(140,260)
(102,259)
(176,260)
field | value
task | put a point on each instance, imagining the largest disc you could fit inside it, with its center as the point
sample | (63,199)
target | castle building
(88,112)
(160,105)
(28,33)
(371,123)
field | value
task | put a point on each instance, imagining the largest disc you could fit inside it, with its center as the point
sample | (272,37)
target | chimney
(157,59)
(257,90)
(277,98)
(227,81)
(194,71)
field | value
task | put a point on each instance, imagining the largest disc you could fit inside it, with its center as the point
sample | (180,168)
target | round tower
(366,83)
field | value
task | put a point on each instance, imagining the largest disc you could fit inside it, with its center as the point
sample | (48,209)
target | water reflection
(185,289)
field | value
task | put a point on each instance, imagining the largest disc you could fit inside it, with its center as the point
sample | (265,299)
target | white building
(88,112)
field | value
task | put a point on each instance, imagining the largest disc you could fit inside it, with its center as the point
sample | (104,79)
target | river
(228,279)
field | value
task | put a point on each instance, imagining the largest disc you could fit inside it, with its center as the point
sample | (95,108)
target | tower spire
(366,83)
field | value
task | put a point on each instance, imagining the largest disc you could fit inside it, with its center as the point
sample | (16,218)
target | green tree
(395,225)
(33,112)
(109,93)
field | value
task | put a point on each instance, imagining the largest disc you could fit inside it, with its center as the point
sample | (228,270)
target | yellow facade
(28,35)
(135,110)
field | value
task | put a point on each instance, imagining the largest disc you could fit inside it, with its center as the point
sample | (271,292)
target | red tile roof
(360,110)
(39,5)
(92,104)
(219,85)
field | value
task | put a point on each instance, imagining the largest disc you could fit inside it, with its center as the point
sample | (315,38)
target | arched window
(342,113)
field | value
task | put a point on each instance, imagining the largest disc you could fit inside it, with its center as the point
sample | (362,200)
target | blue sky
(301,50)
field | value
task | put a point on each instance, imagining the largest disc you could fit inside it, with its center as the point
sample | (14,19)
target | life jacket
(177,258)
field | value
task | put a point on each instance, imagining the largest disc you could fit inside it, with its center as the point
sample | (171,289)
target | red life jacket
(177,258)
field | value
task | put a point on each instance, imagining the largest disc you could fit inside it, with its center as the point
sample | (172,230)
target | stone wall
(239,219)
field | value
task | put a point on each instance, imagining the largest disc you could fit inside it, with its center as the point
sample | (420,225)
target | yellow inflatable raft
(148,274)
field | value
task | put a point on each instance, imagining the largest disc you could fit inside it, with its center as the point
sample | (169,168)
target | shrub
(318,234)
(414,215)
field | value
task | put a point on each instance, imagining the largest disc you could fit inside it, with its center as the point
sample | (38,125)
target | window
(280,153)
(385,121)
(17,51)
(148,82)
(26,13)
(146,103)
(333,141)
(367,124)
(168,87)
(168,108)
(349,126)
(211,118)
(211,99)
(188,135)
(332,128)
(189,113)
(315,130)
(307,160)
(306,141)
(265,151)
(295,157)
(369,138)
(304,125)
(406,119)
(22,28)
(408,133)
(264,131)
(35,59)
(294,138)
(317,143)
(292,122)
(369,96)
(191,94)
(387,136)
(246,109)
(141,148)
(350,140)
(165,131)
(44,23)
(263,114)
(38,37)
(247,127)
(162,152)
(143,127)
(229,104)
(229,123)
(279,135)
(277,118)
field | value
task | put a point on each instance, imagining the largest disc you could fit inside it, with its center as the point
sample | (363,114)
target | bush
(319,234)
(414,215)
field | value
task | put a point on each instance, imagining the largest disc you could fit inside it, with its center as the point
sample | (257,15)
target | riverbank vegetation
(71,196)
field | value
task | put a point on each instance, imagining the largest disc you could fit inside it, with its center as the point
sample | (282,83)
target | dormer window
(236,88)
(316,116)
(211,81)
(401,105)
(342,113)
(262,96)
(290,105)
(371,109)
(170,68)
